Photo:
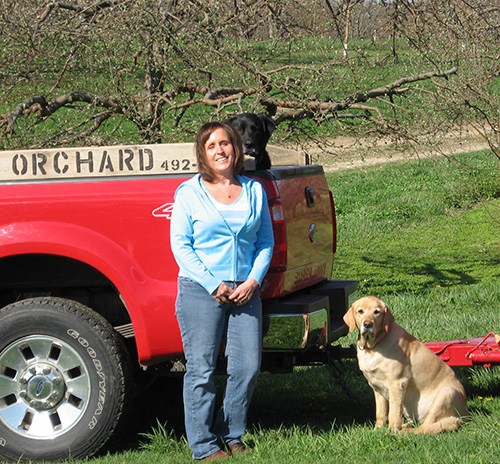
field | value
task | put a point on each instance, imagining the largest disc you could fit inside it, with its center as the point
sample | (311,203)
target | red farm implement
(470,352)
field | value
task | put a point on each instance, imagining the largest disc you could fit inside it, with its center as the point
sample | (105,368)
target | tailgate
(309,228)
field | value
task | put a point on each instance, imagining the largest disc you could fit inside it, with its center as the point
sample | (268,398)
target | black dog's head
(255,130)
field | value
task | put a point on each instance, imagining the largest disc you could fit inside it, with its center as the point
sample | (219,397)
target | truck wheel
(63,380)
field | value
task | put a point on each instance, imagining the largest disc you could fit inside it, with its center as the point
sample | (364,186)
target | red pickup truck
(88,284)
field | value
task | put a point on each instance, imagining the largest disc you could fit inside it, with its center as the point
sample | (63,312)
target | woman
(222,240)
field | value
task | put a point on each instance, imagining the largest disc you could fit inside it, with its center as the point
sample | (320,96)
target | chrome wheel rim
(44,387)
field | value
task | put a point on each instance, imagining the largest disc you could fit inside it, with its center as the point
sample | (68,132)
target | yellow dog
(407,378)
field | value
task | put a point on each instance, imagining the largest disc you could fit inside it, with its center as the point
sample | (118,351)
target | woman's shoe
(219,454)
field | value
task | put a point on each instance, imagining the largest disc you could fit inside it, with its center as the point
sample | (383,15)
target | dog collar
(366,347)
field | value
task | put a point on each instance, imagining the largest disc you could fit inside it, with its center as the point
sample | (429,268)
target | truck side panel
(110,226)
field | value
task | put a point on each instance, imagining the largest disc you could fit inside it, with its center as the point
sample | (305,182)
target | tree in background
(467,35)
(128,71)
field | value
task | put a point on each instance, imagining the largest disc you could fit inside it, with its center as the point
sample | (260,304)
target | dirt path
(347,153)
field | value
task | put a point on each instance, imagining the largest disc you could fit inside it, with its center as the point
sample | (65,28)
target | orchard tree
(83,72)
(465,34)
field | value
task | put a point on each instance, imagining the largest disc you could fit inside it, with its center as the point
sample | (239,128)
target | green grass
(419,225)
(423,236)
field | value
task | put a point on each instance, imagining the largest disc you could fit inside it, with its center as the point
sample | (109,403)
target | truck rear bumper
(307,320)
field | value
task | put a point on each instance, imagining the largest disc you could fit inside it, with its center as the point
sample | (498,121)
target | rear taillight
(278,261)
(334,223)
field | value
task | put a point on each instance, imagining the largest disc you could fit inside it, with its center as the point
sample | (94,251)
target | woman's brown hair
(201,138)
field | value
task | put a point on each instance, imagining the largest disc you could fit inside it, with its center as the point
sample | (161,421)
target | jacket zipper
(233,234)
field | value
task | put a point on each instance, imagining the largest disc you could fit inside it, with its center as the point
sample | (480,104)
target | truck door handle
(309,196)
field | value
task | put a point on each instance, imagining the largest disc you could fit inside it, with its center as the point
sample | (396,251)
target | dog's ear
(267,125)
(349,319)
(388,318)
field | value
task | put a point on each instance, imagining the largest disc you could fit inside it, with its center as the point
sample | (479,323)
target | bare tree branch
(220,96)
(39,106)
(87,11)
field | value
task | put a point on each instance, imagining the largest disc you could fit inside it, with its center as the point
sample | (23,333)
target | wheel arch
(54,251)
(41,274)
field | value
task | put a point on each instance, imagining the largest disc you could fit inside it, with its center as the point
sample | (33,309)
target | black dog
(255,130)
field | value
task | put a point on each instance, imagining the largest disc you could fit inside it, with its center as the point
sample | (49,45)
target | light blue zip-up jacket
(207,250)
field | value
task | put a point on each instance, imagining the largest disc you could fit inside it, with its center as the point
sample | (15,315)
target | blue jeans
(204,324)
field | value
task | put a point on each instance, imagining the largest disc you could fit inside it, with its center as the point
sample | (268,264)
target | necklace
(219,190)
(227,191)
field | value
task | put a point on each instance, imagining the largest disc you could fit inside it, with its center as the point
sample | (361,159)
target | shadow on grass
(160,403)
(309,397)
(312,397)
(408,274)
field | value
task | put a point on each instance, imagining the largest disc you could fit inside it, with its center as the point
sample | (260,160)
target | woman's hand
(223,293)
(244,292)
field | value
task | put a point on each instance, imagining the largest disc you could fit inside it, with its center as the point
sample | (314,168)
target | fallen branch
(280,108)
(38,105)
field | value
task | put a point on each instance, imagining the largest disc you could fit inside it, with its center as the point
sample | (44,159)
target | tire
(64,376)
